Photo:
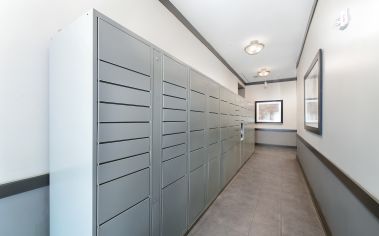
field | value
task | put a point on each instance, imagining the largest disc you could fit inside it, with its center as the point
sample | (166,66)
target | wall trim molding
(23,185)
(171,8)
(321,216)
(369,201)
(306,32)
(276,130)
(274,145)
(272,81)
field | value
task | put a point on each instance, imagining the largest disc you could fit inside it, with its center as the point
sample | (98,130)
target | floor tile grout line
(261,192)
(281,201)
(319,225)
(277,167)
(255,206)
(252,217)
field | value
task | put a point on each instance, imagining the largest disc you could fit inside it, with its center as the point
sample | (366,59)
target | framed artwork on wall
(269,111)
(313,96)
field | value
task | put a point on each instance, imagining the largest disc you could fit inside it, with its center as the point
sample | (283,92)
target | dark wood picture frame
(267,101)
(317,61)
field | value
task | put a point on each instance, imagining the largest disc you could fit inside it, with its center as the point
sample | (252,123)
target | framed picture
(269,111)
(313,96)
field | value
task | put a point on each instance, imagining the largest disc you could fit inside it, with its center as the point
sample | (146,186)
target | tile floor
(268,196)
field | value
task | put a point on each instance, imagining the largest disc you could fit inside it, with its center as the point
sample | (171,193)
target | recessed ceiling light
(254,47)
(263,72)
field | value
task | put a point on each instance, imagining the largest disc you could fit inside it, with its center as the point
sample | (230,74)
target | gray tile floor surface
(268,196)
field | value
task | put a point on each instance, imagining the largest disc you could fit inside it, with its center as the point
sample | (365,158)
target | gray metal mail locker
(140,143)
(213,143)
(228,154)
(100,129)
(236,135)
(174,147)
(197,143)
(123,189)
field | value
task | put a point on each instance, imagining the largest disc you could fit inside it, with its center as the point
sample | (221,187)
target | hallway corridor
(268,196)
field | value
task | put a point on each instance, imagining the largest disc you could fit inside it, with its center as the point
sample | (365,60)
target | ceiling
(229,25)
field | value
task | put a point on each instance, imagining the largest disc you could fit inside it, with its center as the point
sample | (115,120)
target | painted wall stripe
(371,203)
(23,185)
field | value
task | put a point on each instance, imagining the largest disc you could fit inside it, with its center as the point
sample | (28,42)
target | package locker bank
(140,143)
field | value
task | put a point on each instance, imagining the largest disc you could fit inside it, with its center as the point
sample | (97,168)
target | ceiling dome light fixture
(263,72)
(254,47)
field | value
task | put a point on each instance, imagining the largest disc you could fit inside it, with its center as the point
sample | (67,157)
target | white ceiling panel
(229,25)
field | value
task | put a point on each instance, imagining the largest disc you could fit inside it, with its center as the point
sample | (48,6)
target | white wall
(351,88)
(285,91)
(26,28)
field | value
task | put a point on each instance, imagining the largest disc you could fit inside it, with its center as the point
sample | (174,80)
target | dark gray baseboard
(345,208)
(23,185)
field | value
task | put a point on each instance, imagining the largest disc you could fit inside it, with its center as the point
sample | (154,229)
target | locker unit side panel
(72,128)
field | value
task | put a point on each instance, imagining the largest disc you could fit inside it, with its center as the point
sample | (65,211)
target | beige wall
(27,27)
(285,91)
(351,88)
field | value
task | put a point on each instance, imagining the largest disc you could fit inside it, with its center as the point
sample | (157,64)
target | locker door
(174,148)
(197,153)
(124,135)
